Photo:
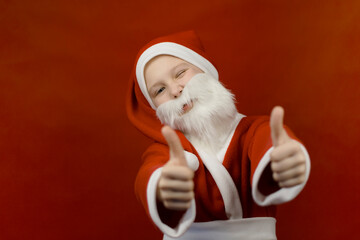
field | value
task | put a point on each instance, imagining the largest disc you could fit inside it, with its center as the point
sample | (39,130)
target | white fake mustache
(206,97)
(190,96)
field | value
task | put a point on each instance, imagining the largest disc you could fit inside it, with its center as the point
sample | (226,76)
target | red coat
(249,143)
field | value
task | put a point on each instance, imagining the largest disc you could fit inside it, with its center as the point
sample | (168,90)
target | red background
(68,155)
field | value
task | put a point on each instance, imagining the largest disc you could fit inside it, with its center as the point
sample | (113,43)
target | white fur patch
(212,113)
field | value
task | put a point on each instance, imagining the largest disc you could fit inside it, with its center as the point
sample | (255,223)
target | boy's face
(166,76)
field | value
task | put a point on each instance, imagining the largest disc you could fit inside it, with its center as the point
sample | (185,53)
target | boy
(219,175)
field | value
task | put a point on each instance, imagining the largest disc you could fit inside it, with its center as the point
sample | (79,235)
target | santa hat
(139,106)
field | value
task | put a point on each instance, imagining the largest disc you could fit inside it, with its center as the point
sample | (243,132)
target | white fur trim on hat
(174,49)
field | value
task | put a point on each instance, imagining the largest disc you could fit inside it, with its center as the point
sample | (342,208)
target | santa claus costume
(234,190)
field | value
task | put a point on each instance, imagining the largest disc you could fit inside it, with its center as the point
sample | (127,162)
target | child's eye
(159,91)
(180,73)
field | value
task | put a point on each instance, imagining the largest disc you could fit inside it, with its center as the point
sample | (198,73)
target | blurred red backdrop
(69,156)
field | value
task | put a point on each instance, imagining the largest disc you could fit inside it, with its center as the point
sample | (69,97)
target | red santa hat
(139,106)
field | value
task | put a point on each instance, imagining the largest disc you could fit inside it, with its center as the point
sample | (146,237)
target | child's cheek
(190,75)
(162,99)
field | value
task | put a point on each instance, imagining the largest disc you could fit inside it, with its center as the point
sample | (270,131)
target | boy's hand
(287,158)
(175,187)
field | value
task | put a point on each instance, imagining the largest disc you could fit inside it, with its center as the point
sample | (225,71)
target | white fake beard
(211,117)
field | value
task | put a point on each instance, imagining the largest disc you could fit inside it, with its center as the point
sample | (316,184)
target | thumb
(176,150)
(278,133)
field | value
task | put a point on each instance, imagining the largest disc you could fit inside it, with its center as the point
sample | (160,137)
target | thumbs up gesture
(175,187)
(287,158)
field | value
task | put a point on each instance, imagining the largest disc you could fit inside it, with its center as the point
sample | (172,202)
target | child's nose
(176,90)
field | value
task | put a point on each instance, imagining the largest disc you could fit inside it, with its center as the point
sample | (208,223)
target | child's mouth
(187,107)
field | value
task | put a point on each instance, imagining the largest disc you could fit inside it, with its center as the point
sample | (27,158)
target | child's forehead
(164,62)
